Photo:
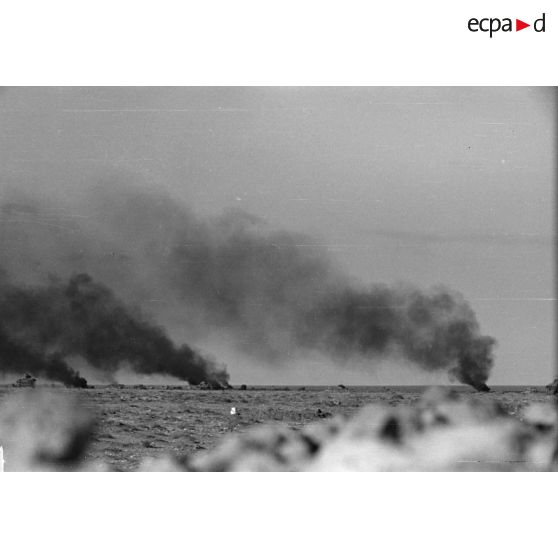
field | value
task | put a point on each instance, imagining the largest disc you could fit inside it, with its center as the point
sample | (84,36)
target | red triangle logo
(519,25)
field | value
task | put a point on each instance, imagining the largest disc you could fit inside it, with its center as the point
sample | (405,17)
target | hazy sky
(420,185)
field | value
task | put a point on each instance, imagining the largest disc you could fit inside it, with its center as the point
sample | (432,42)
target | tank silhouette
(26,381)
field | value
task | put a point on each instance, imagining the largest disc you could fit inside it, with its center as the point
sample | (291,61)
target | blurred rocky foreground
(44,430)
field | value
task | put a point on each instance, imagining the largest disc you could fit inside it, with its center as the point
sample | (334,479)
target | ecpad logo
(492,25)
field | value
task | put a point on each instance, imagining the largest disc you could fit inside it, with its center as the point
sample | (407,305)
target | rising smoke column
(16,357)
(84,318)
(277,293)
(436,330)
(282,294)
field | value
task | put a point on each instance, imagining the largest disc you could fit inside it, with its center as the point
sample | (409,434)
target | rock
(162,464)
(320,432)
(442,431)
(262,448)
(541,453)
(542,416)
(440,406)
(95,466)
(497,445)
(347,454)
(383,423)
(44,430)
(394,399)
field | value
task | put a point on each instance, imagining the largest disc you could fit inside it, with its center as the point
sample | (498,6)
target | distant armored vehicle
(26,381)
(481,387)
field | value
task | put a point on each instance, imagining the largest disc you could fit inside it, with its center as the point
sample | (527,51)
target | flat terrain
(140,421)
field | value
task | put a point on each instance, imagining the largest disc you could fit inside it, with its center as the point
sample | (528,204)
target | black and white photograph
(277,279)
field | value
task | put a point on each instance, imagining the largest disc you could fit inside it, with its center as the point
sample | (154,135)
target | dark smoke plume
(16,357)
(280,291)
(279,294)
(39,327)
(435,330)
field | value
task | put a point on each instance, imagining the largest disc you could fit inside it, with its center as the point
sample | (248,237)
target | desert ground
(138,422)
